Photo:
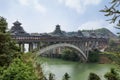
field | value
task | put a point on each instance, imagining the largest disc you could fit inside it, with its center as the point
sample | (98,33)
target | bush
(66,76)
(93,56)
(18,70)
(69,54)
(93,76)
(112,75)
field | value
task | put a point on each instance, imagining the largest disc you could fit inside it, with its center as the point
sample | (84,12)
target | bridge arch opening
(81,54)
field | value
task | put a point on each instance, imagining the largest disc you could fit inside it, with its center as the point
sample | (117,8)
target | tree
(8,49)
(3,24)
(113,11)
(70,54)
(93,76)
(66,76)
(93,55)
(112,75)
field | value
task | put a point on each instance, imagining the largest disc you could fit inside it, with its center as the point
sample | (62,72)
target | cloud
(34,4)
(91,2)
(24,2)
(79,5)
(39,7)
(74,4)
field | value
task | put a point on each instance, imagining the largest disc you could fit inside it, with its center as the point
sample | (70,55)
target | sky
(41,16)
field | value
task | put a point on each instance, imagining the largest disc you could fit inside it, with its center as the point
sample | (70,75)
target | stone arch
(84,57)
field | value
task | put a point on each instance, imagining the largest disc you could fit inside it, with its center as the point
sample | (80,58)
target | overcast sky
(42,15)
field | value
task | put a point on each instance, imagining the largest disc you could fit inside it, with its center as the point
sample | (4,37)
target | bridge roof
(17,30)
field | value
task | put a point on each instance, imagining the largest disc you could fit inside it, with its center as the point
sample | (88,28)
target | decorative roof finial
(17,23)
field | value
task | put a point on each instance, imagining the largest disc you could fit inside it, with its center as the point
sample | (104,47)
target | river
(76,70)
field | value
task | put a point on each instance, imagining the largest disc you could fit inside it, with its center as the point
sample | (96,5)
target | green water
(77,71)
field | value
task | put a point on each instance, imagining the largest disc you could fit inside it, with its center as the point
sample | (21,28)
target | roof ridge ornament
(17,23)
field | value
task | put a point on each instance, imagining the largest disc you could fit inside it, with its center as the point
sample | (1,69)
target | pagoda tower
(17,29)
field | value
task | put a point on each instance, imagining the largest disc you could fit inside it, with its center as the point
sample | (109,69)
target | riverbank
(109,58)
(104,59)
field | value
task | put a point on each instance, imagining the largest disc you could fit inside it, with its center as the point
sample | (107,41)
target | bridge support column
(22,47)
(34,45)
(38,46)
(30,47)
(82,46)
(54,51)
(59,50)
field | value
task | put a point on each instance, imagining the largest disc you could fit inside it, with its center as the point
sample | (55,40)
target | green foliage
(112,75)
(66,76)
(3,25)
(93,56)
(113,47)
(8,49)
(112,56)
(93,76)
(30,58)
(102,30)
(69,54)
(112,43)
(18,70)
(113,11)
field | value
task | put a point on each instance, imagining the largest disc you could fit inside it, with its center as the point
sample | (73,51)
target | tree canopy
(93,76)
(8,49)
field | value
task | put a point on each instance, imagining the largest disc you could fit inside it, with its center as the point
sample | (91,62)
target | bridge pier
(38,45)
(59,50)
(30,47)
(54,51)
(22,47)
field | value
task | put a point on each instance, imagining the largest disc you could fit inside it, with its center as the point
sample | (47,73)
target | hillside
(103,32)
(107,33)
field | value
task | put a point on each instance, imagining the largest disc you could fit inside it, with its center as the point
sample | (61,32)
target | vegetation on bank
(113,47)
(70,54)
(113,54)
(114,57)
(94,56)
(93,76)
(112,75)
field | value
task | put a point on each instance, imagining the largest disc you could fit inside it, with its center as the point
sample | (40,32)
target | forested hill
(104,32)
